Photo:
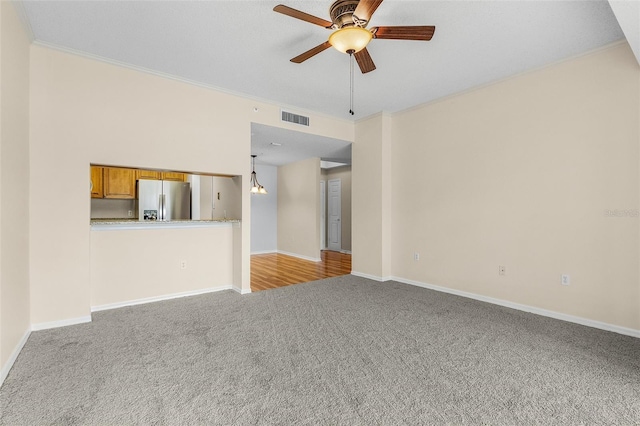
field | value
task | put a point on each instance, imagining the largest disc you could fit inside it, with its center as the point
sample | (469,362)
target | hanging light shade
(256,188)
(350,39)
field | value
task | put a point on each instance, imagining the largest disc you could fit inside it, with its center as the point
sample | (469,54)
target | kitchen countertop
(119,224)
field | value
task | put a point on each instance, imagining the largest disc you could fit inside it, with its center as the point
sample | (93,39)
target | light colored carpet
(338,351)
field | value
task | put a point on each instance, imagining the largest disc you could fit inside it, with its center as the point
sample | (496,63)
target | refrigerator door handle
(160,207)
(164,206)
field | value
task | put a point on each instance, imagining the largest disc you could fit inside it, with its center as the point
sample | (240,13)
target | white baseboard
(526,308)
(159,298)
(299,256)
(4,372)
(370,277)
(62,323)
(264,252)
(241,291)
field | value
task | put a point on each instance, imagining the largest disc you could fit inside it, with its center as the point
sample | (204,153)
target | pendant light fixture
(256,188)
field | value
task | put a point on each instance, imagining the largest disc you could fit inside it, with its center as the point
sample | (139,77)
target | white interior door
(334,215)
(323,216)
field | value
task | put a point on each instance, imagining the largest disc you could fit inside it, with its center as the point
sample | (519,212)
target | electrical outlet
(183,264)
(502,270)
(130,213)
(566,279)
(416,256)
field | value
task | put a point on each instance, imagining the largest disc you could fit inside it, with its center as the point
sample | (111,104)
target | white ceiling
(244,47)
(295,146)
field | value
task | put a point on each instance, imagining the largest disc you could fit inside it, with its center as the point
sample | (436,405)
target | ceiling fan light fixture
(350,39)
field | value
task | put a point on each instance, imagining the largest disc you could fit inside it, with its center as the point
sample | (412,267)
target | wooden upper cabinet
(181,177)
(148,174)
(119,183)
(96,182)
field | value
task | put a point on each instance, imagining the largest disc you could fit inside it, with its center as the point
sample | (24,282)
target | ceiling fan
(349,20)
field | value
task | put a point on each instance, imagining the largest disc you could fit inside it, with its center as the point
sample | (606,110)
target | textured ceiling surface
(244,47)
(276,146)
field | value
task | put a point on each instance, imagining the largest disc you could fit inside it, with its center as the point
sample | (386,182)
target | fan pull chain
(351,82)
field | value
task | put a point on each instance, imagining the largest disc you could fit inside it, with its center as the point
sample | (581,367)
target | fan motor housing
(341,13)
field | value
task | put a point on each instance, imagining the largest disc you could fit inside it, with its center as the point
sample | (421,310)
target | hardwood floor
(278,270)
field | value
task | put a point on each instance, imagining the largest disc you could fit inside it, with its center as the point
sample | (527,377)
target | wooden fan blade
(294,13)
(404,33)
(311,52)
(364,61)
(366,8)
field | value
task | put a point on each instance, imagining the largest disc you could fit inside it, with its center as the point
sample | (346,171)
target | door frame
(323,214)
(334,220)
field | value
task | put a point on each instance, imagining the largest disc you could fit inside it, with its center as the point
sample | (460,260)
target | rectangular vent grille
(295,118)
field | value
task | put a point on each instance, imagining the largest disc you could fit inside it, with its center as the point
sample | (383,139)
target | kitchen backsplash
(104,208)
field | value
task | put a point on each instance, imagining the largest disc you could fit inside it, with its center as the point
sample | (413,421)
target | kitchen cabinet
(96,182)
(180,177)
(119,183)
(148,174)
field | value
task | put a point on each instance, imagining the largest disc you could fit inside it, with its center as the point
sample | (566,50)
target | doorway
(296,168)
(323,216)
(334,215)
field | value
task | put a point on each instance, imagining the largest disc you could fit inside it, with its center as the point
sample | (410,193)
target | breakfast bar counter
(135,224)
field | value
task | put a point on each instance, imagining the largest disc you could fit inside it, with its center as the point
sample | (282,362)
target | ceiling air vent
(295,118)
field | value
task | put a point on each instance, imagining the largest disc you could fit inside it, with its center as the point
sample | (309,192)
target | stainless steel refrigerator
(163,200)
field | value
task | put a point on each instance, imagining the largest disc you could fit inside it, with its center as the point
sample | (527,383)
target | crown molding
(375,115)
(511,77)
(161,74)
(22,14)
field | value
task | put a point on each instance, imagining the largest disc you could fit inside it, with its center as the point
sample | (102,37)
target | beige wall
(264,212)
(14,184)
(129,265)
(344,174)
(371,192)
(521,174)
(85,111)
(299,208)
